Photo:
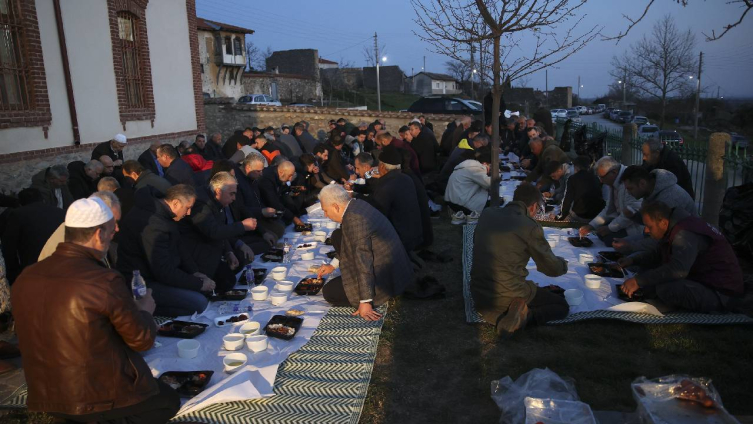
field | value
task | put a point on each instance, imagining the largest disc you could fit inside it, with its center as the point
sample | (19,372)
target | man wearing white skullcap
(113,149)
(76,317)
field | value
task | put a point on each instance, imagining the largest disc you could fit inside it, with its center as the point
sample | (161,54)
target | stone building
(222,54)
(344,78)
(303,62)
(327,64)
(391,79)
(428,83)
(120,66)
(286,88)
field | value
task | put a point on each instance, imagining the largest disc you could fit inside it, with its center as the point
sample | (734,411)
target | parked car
(647,131)
(259,99)
(739,141)
(613,114)
(600,108)
(571,114)
(581,110)
(640,120)
(477,105)
(624,116)
(671,138)
(608,112)
(559,113)
(444,105)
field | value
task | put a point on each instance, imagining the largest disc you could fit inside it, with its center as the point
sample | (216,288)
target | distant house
(327,64)
(222,52)
(391,79)
(428,83)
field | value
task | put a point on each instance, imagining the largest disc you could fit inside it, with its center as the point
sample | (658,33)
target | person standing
(80,350)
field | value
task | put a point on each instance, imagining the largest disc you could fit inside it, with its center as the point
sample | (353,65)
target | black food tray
(580,242)
(304,227)
(191,382)
(230,295)
(605,270)
(259,275)
(292,322)
(638,295)
(331,254)
(611,256)
(309,286)
(181,329)
(518,177)
(273,255)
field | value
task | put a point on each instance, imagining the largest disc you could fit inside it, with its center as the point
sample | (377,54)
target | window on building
(15,90)
(228,45)
(131,54)
(238,46)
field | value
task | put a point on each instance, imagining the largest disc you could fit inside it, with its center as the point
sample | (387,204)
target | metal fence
(738,162)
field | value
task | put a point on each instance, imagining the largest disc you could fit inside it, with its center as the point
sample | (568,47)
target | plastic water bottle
(138,286)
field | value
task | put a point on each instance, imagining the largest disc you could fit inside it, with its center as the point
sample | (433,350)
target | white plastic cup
(233,341)
(284,286)
(320,236)
(188,349)
(307,256)
(279,272)
(278,298)
(585,258)
(555,237)
(259,293)
(332,225)
(593,281)
(552,243)
(249,329)
(257,343)
(234,361)
(574,297)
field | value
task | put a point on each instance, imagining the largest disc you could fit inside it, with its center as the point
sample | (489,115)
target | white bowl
(332,225)
(284,287)
(593,281)
(188,349)
(585,258)
(573,297)
(250,328)
(234,361)
(279,273)
(307,256)
(552,243)
(320,236)
(259,293)
(257,343)
(278,298)
(555,237)
(233,341)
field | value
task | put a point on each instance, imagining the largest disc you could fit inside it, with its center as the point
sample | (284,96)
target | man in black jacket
(658,156)
(426,147)
(148,159)
(272,187)
(236,141)
(395,196)
(113,149)
(144,177)
(248,175)
(150,243)
(582,198)
(82,178)
(212,232)
(177,171)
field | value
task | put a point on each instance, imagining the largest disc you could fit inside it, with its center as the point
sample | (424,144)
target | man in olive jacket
(547,151)
(504,241)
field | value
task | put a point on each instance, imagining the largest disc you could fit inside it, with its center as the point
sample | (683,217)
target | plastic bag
(679,399)
(553,411)
(537,383)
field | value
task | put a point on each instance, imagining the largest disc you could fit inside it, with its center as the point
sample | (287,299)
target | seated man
(177,171)
(151,243)
(581,198)
(505,240)
(371,258)
(658,184)
(52,183)
(271,185)
(559,173)
(144,177)
(545,151)
(612,222)
(248,190)
(658,156)
(148,159)
(475,141)
(82,178)
(80,350)
(693,267)
(468,187)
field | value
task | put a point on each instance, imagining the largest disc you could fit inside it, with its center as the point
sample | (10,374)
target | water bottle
(138,286)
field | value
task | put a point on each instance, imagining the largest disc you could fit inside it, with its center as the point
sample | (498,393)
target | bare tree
(745,5)
(370,56)
(252,56)
(524,82)
(266,54)
(452,26)
(461,71)
(661,62)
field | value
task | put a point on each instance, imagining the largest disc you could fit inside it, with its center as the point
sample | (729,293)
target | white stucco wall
(87,31)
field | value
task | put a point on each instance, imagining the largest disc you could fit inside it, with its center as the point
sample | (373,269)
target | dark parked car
(625,116)
(444,105)
(740,141)
(671,138)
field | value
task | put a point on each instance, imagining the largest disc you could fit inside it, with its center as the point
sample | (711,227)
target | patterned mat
(324,382)
(471,316)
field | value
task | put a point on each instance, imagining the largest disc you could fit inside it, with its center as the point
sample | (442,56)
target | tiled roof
(207,25)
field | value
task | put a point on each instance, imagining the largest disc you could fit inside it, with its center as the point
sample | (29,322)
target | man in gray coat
(504,241)
(371,258)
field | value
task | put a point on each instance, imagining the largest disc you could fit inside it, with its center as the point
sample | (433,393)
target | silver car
(259,99)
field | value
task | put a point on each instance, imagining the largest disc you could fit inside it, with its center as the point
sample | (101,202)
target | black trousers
(547,306)
(609,238)
(224,277)
(333,291)
(691,296)
(158,409)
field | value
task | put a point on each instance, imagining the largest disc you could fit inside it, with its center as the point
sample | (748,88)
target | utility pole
(717,91)
(376,57)
(624,90)
(473,70)
(579,89)
(424,68)
(546,87)
(698,96)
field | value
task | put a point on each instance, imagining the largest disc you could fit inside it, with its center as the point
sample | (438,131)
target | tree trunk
(496,92)
(663,109)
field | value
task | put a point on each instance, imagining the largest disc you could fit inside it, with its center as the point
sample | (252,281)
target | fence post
(627,148)
(715,184)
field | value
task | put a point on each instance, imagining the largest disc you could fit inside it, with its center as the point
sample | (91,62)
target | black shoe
(435,214)
(515,319)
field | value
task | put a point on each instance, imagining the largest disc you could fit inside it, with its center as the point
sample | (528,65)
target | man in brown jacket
(80,330)
(547,151)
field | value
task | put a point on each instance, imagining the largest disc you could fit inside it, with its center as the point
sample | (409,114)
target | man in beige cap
(80,330)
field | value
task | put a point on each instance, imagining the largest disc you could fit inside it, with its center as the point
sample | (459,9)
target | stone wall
(226,117)
(299,62)
(290,88)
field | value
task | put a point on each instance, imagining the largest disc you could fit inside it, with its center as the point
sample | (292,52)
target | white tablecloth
(256,379)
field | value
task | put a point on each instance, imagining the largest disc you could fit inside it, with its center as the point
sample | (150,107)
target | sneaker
(515,319)
(435,214)
(458,218)
(473,217)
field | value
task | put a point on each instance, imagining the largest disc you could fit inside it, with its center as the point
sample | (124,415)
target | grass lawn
(433,367)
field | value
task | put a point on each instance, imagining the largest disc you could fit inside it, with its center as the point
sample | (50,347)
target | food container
(250,328)
(554,237)
(257,343)
(332,225)
(585,258)
(187,383)
(320,236)
(259,293)
(234,361)
(188,349)
(284,287)
(233,341)
(552,243)
(279,272)
(307,256)
(181,329)
(593,281)
(278,322)
(278,298)
(573,297)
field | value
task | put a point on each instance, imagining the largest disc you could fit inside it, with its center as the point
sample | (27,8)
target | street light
(472,74)
(379,91)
